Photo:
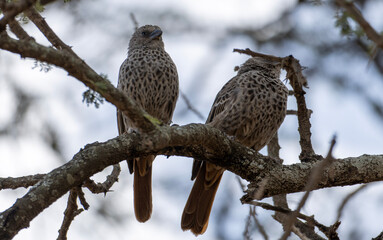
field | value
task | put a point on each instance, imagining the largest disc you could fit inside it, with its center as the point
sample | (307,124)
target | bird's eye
(144,33)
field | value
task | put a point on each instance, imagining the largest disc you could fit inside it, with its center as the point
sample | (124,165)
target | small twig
(287,211)
(246,233)
(43,26)
(105,186)
(363,23)
(295,112)
(328,231)
(258,224)
(252,216)
(26,181)
(134,20)
(70,213)
(81,197)
(304,230)
(247,51)
(347,199)
(311,184)
(292,112)
(300,228)
(190,106)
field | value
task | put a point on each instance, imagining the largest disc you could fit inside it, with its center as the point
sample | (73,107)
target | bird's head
(147,36)
(264,65)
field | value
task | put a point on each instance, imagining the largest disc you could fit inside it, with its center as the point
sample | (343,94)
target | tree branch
(342,172)
(300,228)
(328,231)
(374,36)
(105,186)
(17,182)
(347,199)
(183,141)
(190,106)
(43,26)
(10,10)
(80,70)
(19,31)
(311,184)
(70,213)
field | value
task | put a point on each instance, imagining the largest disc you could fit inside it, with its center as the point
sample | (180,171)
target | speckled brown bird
(149,76)
(250,108)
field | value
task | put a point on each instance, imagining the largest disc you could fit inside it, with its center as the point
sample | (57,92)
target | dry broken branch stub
(17,182)
(190,106)
(107,184)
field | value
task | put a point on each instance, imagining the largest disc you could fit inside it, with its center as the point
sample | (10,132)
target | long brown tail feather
(142,188)
(198,207)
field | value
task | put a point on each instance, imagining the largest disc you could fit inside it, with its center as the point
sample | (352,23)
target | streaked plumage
(250,107)
(150,77)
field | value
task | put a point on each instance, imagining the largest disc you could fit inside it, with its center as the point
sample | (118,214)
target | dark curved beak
(155,34)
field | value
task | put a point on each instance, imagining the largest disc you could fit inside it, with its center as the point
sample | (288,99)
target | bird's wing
(223,99)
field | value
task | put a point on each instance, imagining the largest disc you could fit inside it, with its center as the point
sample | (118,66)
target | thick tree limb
(342,172)
(183,141)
